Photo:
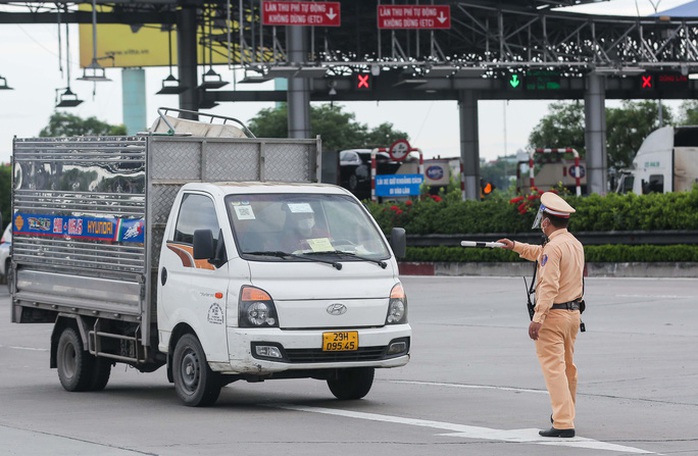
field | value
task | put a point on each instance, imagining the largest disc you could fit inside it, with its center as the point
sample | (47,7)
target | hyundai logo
(336,309)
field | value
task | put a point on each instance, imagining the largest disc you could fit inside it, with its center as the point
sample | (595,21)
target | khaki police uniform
(560,280)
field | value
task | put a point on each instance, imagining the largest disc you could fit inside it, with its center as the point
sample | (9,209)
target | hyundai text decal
(88,228)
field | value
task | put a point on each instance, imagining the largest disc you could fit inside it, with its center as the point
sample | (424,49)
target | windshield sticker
(300,208)
(320,245)
(244,212)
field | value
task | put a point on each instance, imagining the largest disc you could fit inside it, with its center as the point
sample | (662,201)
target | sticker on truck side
(88,228)
(215,314)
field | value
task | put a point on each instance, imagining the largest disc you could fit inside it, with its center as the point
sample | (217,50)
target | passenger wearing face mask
(301,228)
(559,294)
(305,222)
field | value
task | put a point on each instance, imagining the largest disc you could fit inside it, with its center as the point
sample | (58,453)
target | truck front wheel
(351,384)
(196,384)
(75,366)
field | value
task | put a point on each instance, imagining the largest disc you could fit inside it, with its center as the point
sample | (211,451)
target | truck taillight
(256,309)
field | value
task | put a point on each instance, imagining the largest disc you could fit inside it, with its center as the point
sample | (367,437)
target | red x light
(363,81)
(647,81)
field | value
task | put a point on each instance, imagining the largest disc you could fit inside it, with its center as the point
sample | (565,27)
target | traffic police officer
(556,321)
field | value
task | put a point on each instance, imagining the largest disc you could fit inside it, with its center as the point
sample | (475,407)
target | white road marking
(461,385)
(24,348)
(653,296)
(527,436)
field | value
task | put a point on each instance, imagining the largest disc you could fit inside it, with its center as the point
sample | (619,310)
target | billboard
(142,45)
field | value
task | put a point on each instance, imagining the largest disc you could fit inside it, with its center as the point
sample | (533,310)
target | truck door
(194,291)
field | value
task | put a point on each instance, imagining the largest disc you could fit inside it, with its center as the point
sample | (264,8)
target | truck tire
(101,370)
(350,384)
(75,366)
(196,384)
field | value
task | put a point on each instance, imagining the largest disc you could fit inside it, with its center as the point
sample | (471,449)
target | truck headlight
(256,309)
(397,306)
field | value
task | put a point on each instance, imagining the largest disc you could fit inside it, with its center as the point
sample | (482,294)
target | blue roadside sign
(398,184)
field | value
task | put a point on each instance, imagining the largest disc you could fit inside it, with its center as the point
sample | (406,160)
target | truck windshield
(293,227)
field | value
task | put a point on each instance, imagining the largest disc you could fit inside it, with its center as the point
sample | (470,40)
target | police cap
(554,205)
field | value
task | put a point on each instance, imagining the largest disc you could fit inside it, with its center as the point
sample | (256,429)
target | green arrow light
(514,81)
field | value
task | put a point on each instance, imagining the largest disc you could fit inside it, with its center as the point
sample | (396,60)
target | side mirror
(398,242)
(204,245)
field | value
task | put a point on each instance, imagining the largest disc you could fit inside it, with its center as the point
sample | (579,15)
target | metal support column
(298,88)
(187,59)
(133,100)
(469,143)
(595,134)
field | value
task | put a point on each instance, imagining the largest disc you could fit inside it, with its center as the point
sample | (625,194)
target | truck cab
(665,162)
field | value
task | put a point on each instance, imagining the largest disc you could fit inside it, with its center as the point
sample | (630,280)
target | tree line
(626,126)
(562,126)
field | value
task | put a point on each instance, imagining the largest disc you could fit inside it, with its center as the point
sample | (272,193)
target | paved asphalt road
(473,387)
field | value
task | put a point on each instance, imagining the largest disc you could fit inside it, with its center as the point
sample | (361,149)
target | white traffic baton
(491,245)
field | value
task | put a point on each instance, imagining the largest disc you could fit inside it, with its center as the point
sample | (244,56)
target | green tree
(270,123)
(628,126)
(337,128)
(64,124)
(383,135)
(688,113)
(563,126)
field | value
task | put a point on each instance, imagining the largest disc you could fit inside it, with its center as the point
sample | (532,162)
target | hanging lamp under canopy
(210,79)
(67,99)
(94,71)
(170,85)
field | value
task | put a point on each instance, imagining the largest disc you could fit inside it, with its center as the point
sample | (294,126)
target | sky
(29,60)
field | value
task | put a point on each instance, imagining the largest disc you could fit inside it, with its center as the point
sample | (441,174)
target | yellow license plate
(340,341)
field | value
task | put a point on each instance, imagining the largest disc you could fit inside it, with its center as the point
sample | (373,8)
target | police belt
(571,305)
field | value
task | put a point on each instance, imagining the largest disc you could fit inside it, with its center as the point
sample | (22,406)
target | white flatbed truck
(180,251)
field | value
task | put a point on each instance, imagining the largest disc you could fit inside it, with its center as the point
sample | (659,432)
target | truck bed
(89,213)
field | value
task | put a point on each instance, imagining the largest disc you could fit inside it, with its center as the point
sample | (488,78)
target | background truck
(667,161)
(551,170)
(216,256)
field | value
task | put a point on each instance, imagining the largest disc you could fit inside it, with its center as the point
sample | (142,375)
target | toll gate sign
(317,14)
(410,17)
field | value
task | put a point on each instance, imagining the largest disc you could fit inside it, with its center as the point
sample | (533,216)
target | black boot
(552,432)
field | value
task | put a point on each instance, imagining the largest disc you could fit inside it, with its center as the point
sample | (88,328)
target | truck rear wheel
(350,384)
(101,370)
(196,384)
(75,366)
